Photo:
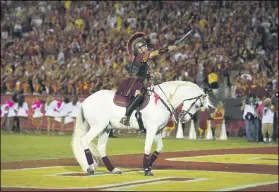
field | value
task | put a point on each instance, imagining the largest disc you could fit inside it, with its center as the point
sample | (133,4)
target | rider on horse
(133,87)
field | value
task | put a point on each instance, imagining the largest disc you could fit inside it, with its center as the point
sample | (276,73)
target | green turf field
(15,147)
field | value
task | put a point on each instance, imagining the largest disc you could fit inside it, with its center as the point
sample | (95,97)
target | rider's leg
(130,108)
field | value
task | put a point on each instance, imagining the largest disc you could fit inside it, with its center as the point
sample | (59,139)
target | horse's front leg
(102,144)
(159,146)
(150,135)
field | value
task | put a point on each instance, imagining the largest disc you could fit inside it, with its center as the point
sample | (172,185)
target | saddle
(123,101)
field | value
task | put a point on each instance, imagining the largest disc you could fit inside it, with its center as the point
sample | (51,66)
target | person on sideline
(267,121)
(76,105)
(22,111)
(38,115)
(50,114)
(250,117)
(64,112)
(218,118)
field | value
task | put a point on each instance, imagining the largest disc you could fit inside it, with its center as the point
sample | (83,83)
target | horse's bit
(183,112)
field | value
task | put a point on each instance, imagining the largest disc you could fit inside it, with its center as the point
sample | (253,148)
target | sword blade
(184,37)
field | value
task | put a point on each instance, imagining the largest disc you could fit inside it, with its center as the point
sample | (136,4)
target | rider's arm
(162,51)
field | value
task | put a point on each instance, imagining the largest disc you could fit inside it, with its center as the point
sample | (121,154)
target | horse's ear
(208,102)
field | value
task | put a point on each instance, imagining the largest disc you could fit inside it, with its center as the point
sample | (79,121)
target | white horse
(98,115)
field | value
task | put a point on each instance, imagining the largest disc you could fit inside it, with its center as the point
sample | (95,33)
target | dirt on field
(135,161)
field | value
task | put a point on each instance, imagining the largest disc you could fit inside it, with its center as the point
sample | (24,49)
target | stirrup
(125,121)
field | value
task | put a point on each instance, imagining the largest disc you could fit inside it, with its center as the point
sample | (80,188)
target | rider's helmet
(137,44)
(137,41)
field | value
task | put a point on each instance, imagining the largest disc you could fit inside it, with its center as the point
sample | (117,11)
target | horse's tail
(81,128)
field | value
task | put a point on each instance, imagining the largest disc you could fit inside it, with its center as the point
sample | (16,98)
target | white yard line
(151,183)
(247,186)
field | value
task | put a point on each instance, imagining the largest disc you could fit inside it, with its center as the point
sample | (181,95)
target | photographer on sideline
(251,121)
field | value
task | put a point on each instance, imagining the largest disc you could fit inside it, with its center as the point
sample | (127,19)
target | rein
(183,112)
(165,104)
(174,111)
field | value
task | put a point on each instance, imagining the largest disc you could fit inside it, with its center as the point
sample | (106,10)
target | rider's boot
(130,108)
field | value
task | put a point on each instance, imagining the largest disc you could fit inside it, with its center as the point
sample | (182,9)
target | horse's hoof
(148,173)
(116,171)
(90,171)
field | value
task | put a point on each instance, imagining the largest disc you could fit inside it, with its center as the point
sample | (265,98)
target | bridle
(183,112)
(179,115)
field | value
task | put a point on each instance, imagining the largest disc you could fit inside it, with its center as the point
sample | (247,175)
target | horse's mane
(181,83)
(207,103)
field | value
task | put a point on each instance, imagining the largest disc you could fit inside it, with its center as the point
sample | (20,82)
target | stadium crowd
(77,48)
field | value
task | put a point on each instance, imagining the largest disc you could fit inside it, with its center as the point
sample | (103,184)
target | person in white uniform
(38,115)
(4,112)
(64,114)
(50,113)
(22,111)
(267,121)
(76,105)
(11,113)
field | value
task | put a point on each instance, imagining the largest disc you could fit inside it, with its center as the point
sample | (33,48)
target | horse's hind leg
(102,144)
(86,141)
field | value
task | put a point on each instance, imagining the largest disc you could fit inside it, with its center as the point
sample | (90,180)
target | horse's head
(192,105)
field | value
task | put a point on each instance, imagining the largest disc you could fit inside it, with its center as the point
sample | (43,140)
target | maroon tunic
(129,86)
